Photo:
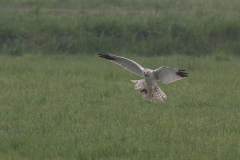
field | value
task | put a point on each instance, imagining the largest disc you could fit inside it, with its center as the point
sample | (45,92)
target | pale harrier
(148,85)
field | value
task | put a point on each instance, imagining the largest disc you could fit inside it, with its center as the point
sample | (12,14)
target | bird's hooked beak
(145,71)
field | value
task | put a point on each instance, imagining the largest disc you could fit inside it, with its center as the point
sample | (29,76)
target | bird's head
(146,71)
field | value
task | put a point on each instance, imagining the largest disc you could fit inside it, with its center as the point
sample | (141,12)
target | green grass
(142,27)
(83,107)
(60,101)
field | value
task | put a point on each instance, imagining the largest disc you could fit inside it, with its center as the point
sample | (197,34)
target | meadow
(148,28)
(58,100)
(82,107)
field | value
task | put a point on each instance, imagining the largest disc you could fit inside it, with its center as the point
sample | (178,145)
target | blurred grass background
(140,27)
(60,101)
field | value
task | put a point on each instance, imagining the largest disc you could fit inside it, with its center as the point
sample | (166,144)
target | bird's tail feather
(153,94)
(159,95)
(139,83)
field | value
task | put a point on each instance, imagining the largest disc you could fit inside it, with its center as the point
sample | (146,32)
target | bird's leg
(144,87)
(152,92)
(143,90)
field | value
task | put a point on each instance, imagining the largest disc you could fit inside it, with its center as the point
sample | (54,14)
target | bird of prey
(148,86)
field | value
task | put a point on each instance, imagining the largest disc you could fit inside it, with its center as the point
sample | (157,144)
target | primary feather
(168,75)
(124,62)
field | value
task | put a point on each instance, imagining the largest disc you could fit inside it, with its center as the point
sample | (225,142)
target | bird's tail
(153,94)
(158,94)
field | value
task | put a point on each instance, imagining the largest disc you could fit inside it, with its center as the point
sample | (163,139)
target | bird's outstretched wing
(168,75)
(124,62)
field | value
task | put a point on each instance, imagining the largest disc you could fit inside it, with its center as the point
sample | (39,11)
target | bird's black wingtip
(182,73)
(101,53)
(105,56)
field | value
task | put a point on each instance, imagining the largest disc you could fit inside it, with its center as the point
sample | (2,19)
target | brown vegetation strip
(111,10)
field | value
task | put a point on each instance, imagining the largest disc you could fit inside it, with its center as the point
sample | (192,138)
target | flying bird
(148,86)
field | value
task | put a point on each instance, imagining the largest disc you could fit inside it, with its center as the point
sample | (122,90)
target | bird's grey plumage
(148,86)
(168,75)
(124,62)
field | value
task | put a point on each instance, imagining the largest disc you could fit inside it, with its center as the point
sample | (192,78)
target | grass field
(60,101)
(82,107)
(141,27)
